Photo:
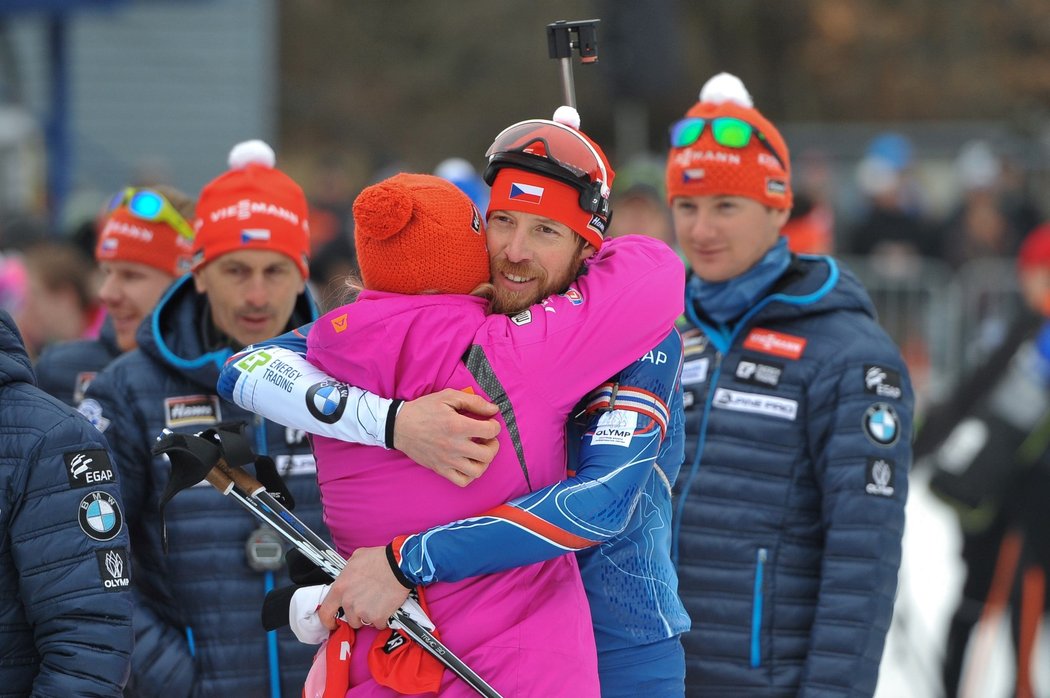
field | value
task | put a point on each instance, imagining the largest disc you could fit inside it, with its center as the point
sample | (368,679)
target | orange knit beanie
(419,233)
(761,170)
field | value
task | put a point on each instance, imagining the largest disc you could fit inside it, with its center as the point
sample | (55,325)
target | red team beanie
(417,233)
(253,206)
(127,237)
(700,166)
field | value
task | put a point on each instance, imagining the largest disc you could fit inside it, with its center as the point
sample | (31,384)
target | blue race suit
(614,509)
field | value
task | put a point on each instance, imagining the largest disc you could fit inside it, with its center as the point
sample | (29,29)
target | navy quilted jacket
(198,629)
(790,505)
(66,369)
(65,600)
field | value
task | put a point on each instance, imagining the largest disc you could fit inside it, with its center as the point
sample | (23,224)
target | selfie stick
(560,45)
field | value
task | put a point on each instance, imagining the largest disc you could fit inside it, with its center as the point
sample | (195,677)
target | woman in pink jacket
(422,324)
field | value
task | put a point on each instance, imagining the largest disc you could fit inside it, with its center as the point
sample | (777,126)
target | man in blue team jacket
(197,615)
(65,581)
(798,408)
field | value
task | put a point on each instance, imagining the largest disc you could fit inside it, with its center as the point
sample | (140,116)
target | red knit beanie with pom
(761,170)
(418,233)
(252,206)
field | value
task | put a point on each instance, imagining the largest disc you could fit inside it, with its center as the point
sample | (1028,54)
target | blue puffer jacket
(790,504)
(65,599)
(65,370)
(198,629)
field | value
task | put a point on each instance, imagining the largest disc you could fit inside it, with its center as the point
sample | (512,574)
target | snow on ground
(930,584)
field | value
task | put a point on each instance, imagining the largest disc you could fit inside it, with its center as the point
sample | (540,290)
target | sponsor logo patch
(327,400)
(597,223)
(755,372)
(694,342)
(80,385)
(192,409)
(882,381)
(775,187)
(339,323)
(92,411)
(296,464)
(695,371)
(89,467)
(775,343)
(880,477)
(881,424)
(393,642)
(655,357)
(475,219)
(253,361)
(99,516)
(615,428)
(113,568)
(756,403)
(573,296)
(522,318)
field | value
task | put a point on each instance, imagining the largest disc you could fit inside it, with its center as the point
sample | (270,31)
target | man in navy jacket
(197,616)
(65,598)
(790,506)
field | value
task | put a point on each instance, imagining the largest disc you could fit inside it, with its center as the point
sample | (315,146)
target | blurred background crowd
(919,134)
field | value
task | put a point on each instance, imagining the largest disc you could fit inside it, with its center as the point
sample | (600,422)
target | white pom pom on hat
(725,87)
(251,152)
(568,116)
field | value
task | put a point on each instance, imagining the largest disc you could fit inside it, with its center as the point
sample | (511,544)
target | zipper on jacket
(261,449)
(756,609)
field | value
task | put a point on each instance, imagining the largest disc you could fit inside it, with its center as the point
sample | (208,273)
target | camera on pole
(561,43)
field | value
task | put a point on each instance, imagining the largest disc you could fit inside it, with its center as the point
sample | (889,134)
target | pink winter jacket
(526,631)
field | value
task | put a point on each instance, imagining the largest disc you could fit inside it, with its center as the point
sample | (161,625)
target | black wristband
(398,574)
(391,415)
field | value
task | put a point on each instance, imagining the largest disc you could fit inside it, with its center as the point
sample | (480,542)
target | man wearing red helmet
(548,211)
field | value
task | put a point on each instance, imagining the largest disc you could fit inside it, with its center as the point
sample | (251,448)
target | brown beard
(509,303)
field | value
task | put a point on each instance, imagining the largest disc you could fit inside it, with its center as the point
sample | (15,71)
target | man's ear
(585,252)
(198,281)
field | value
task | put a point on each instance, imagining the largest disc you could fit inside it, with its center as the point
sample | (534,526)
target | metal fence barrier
(945,320)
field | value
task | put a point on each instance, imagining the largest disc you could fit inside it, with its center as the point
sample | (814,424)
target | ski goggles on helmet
(152,206)
(728,131)
(553,150)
